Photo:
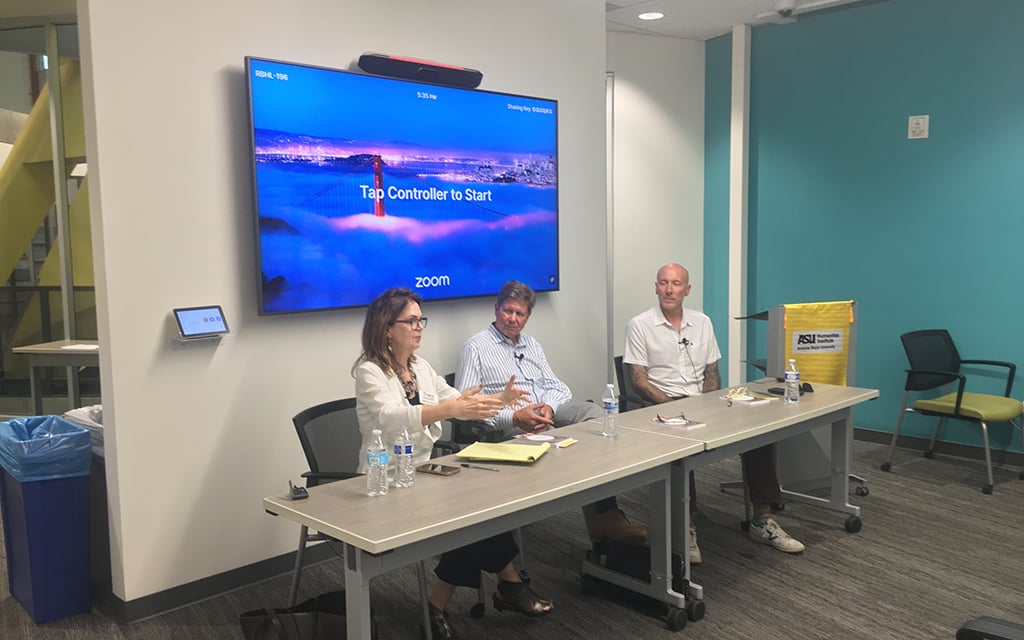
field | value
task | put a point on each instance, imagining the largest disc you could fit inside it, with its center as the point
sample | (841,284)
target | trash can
(44,500)
(91,418)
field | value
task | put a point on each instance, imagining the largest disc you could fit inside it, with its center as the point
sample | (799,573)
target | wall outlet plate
(917,127)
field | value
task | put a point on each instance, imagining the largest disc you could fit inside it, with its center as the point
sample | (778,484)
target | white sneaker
(695,557)
(771,533)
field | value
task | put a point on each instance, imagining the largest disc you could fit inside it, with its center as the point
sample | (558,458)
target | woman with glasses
(396,390)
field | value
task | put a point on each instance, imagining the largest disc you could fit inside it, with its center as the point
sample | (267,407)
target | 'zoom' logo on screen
(428,282)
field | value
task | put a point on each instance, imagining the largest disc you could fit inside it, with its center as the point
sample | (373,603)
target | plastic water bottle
(792,383)
(611,411)
(404,467)
(376,466)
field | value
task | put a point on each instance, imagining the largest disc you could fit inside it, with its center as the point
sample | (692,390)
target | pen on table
(476,466)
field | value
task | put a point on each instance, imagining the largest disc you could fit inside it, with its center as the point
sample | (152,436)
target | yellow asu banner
(817,334)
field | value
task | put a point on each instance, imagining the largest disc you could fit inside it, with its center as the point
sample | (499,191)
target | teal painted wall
(717,92)
(922,233)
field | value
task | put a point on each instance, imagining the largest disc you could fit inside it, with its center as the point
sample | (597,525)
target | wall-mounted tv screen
(364,183)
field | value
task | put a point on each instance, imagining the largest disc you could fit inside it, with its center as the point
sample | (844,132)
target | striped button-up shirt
(489,359)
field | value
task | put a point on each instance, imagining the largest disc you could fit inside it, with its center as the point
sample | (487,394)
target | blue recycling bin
(44,501)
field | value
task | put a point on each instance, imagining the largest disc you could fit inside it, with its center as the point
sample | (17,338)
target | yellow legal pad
(504,451)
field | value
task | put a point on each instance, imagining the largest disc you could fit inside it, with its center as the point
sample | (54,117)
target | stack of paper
(504,451)
(548,438)
(746,398)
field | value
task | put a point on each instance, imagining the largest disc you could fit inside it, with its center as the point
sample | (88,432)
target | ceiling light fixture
(651,15)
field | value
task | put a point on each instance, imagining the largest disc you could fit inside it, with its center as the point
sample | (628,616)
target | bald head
(673,271)
(672,286)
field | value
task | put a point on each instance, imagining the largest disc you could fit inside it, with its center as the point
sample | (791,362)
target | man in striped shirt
(501,350)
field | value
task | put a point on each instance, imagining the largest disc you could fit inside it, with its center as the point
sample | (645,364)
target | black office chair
(629,398)
(935,362)
(987,628)
(330,438)
(465,432)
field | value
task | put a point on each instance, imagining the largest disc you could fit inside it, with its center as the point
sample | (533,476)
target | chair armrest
(634,401)
(444,448)
(470,431)
(314,478)
(1010,374)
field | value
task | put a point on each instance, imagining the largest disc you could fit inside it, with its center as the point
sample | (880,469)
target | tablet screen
(194,322)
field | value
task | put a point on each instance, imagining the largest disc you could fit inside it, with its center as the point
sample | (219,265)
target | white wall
(197,436)
(658,167)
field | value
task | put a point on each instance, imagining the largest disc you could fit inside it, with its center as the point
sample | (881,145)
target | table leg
(74,390)
(421,577)
(681,526)
(842,431)
(357,596)
(35,379)
(658,582)
(837,480)
(842,445)
(681,516)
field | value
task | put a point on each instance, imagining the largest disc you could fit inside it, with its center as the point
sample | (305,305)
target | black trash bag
(44,448)
(319,618)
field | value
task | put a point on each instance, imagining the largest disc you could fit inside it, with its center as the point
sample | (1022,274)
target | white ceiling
(695,19)
(703,19)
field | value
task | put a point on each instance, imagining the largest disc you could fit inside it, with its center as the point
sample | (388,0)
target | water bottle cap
(377,432)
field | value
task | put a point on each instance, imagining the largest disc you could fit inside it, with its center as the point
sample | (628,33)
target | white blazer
(381,403)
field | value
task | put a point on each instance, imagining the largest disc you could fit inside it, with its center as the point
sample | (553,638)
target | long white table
(732,429)
(439,514)
(60,353)
(442,513)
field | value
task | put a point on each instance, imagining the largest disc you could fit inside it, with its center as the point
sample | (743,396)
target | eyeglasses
(413,322)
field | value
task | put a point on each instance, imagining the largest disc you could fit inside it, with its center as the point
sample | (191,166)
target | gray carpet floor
(933,553)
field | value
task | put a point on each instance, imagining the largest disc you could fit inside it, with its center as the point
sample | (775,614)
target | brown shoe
(615,526)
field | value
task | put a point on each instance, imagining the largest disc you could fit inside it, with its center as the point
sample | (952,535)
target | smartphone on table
(437,469)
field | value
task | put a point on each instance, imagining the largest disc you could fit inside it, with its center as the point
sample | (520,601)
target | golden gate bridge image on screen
(338,196)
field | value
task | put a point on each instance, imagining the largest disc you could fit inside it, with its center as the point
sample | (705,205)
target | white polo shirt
(675,360)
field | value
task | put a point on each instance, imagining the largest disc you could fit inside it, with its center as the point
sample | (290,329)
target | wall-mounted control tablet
(200,322)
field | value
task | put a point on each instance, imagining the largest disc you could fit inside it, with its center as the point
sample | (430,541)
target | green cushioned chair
(935,362)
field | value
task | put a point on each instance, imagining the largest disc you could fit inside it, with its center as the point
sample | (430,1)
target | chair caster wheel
(987,489)
(853,524)
(778,506)
(477,610)
(1021,476)
(928,453)
(676,619)
(695,610)
(745,525)
(861,491)
(886,466)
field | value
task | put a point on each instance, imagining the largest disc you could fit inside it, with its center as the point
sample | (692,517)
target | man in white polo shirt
(672,353)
